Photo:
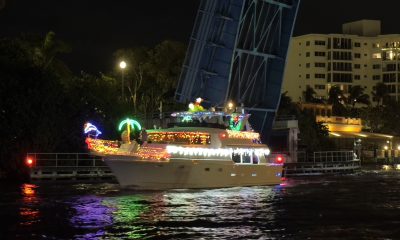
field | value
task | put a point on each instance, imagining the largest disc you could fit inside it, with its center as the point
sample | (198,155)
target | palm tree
(336,98)
(336,95)
(380,93)
(130,123)
(357,95)
(309,94)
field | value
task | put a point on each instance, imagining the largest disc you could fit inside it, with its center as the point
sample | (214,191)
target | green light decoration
(130,123)
(187,119)
(235,123)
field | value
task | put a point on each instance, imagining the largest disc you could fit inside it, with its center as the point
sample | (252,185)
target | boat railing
(65,160)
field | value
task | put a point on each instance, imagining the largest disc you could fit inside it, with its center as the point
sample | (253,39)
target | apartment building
(360,55)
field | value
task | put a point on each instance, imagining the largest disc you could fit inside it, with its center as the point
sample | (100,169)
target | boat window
(246,158)
(256,159)
(236,158)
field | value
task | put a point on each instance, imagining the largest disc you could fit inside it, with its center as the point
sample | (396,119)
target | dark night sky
(95,29)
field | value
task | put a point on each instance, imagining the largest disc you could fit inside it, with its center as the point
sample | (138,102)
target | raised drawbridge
(237,52)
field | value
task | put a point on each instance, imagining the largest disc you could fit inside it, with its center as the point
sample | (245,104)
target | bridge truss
(237,52)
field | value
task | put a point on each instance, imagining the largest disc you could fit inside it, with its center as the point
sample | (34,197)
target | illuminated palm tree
(130,123)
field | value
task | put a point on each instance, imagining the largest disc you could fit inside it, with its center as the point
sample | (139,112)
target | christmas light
(131,123)
(88,127)
(243,135)
(187,119)
(191,107)
(152,153)
(221,152)
(111,148)
(181,137)
(236,122)
(102,146)
(202,114)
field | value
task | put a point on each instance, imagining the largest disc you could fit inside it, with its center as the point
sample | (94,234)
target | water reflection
(95,214)
(317,208)
(178,214)
(29,210)
(127,213)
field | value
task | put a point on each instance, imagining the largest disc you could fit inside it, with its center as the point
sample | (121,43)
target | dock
(323,163)
(68,166)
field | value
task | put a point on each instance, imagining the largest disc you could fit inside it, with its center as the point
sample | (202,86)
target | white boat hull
(186,173)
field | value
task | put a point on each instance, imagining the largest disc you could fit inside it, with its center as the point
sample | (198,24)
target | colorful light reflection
(29,212)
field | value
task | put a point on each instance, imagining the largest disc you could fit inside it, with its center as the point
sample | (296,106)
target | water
(361,206)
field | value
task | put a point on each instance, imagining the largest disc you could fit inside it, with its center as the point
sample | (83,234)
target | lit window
(233,174)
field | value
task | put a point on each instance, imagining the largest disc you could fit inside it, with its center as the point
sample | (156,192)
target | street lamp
(122,65)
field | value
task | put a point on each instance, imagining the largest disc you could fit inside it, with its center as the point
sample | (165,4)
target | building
(358,56)
(350,134)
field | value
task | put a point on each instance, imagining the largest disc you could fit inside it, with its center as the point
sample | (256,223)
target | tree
(336,98)
(135,73)
(152,74)
(380,93)
(32,106)
(309,95)
(313,136)
(357,95)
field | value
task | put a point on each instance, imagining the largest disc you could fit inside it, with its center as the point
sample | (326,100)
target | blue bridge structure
(237,52)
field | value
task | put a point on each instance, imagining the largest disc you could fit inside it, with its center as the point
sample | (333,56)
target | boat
(199,149)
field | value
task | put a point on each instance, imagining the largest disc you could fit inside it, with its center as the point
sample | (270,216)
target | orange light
(223,135)
(29,162)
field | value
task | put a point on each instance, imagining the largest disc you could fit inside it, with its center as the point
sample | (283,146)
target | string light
(181,137)
(111,148)
(102,146)
(221,152)
(202,114)
(243,135)
(152,153)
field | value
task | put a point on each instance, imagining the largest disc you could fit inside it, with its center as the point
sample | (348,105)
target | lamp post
(122,65)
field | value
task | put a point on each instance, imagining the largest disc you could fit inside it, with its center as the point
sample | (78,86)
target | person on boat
(143,136)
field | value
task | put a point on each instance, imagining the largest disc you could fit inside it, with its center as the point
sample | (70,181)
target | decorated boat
(199,149)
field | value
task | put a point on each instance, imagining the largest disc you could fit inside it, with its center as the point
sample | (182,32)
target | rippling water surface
(362,206)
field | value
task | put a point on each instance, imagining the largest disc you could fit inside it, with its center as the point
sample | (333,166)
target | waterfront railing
(67,166)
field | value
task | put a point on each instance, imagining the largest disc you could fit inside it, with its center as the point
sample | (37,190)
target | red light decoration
(279,159)
(102,146)
(152,153)
(111,148)
(29,161)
